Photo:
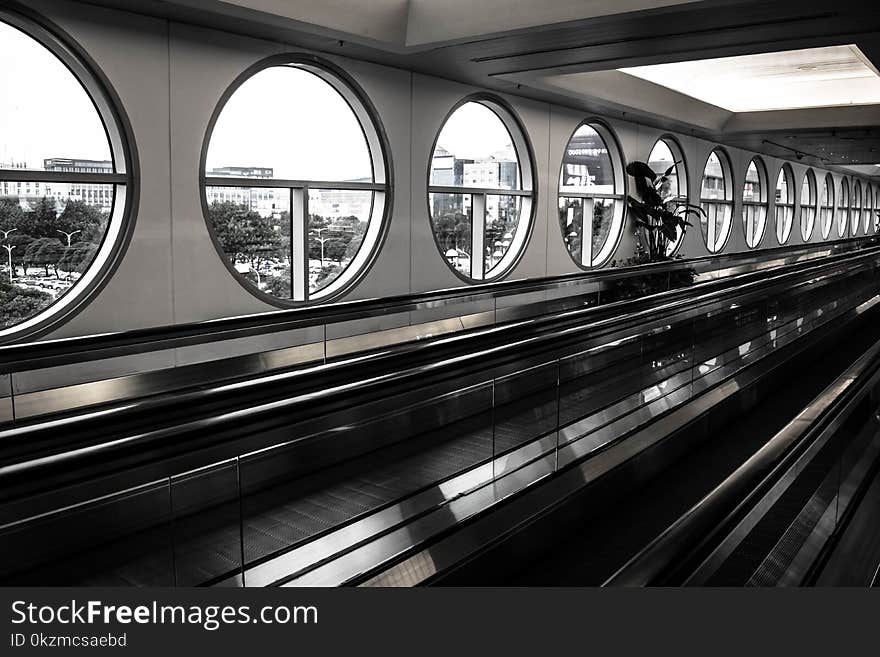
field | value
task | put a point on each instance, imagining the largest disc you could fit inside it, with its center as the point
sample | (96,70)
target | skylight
(794,79)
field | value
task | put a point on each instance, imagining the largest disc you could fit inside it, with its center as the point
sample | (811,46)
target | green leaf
(640,170)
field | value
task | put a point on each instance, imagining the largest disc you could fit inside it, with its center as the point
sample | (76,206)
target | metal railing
(838,433)
(513,405)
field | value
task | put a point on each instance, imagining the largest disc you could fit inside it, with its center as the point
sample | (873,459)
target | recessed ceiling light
(794,79)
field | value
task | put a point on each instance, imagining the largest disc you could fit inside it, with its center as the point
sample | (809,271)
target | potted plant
(658,218)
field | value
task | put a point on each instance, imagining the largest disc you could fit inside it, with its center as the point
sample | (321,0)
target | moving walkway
(360,468)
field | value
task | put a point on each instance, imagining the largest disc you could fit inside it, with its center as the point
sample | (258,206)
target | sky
(475,132)
(44,111)
(293,121)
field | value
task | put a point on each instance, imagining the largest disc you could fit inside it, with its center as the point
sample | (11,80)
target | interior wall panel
(170,77)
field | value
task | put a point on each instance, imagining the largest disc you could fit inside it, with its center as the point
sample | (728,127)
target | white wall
(170,77)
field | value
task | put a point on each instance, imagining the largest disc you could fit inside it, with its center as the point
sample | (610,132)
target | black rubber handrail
(665,559)
(262,416)
(63,351)
(540,330)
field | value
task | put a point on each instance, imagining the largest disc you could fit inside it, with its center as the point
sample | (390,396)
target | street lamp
(9,254)
(68,235)
(8,249)
(322,240)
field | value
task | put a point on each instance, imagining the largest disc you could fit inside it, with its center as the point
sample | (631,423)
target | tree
(20,241)
(11,214)
(45,252)
(41,220)
(17,304)
(79,216)
(78,257)
(246,236)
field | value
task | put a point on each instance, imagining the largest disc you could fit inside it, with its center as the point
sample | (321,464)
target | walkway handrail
(657,562)
(482,346)
(63,351)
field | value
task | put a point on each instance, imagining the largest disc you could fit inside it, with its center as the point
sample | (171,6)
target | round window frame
(810,177)
(787,171)
(828,181)
(855,207)
(729,196)
(379,151)
(761,168)
(843,210)
(523,148)
(678,154)
(618,164)
(124,178)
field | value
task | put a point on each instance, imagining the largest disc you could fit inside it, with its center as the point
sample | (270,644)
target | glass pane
(716,224)
(856,207)
(586,164)
(252,226)
(50,236)
(502,219)
(286,122)
(451,221)
(713,187)
(808,205)
(475,149)
(808,220)
(571,221)
(56,125)
(660,160)
(782,188)
(783,222)
(603,215)
(338,221)
(752,187)
(808,191)
(842,208)
(754,217)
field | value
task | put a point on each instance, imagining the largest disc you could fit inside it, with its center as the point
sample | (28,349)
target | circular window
(63,179)
(295,180)
(843,208)
(716,199)
(784,203)
(667,156)
(827,209)
(479,190)
(856,210)
(808,204)
(877,209)
(755,202)
(591,189)
(867,208)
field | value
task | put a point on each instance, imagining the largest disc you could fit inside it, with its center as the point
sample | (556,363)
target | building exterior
(97,195)
(265,201)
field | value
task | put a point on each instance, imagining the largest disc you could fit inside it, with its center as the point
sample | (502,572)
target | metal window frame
(588,260)
(828,207)
(855,206)
(844,200)
(123,154)
(713,245)
(760,208)
(527,191)
(812,203)
(381,186)
(787,207)
(682,174)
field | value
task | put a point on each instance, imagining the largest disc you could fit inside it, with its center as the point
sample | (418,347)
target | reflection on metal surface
(559,398)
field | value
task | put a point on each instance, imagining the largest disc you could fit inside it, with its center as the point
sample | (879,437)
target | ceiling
(569,52)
